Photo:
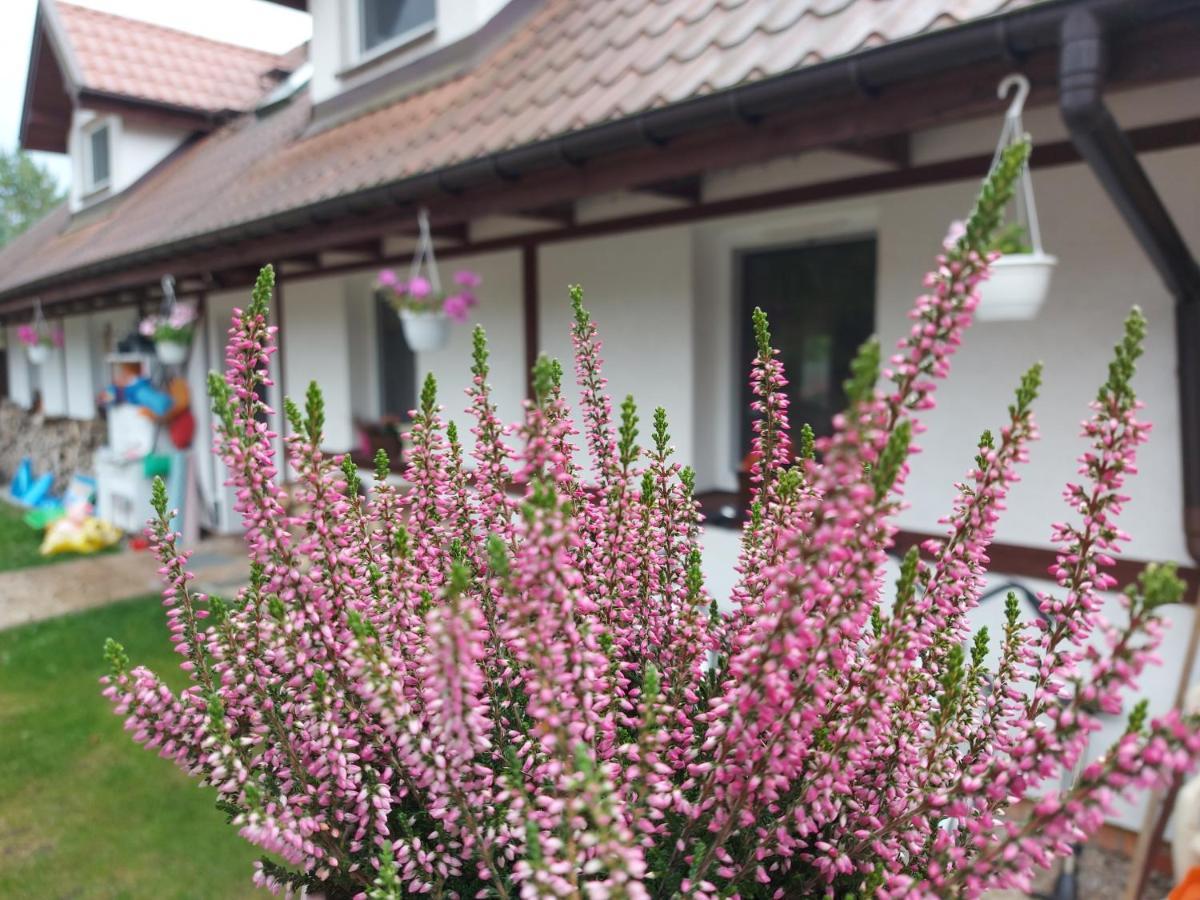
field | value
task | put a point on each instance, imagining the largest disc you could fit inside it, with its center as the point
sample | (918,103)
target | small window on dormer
(97,162)
(385,23)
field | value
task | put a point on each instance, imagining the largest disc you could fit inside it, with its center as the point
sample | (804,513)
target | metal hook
(1021,83)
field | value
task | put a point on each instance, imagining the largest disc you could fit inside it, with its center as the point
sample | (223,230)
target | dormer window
(97,157)
(384,24)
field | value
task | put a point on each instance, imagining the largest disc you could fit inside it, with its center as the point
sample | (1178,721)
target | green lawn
(85,812)
(19,543)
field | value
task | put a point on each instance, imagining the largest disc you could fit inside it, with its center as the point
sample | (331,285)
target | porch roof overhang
(867,103)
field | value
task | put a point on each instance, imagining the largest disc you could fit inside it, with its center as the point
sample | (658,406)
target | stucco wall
(499,312)
(316,347)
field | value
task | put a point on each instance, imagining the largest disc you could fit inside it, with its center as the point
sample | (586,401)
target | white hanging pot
(425,330)
(38,353)
(1019,282)
(171,353)
(1017,288)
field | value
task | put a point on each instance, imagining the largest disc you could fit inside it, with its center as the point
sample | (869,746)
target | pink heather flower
(468,279)
(507,679)
(957,229)
(419,287)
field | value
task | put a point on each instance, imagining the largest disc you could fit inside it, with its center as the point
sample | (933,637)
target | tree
(27,192)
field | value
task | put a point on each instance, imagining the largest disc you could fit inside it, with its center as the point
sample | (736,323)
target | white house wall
(499,312)
(638,288)
(52,380)
(20,381)
(78,369)
(316,347)
(364,346)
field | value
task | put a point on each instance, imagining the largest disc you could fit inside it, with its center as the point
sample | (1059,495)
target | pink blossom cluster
(417,293)
(504,679)
(30,335)
(176,325)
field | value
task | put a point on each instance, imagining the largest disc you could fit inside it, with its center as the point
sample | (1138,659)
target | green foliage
(1010,239)
(27,192)
(984,221)
(264,288)
(1121,369)
(806,448)
(762,334)
(864,372)
(627,435)
(86,813)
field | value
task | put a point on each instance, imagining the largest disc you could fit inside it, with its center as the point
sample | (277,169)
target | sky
(251,23)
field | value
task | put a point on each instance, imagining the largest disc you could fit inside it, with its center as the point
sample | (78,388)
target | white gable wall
(135,148)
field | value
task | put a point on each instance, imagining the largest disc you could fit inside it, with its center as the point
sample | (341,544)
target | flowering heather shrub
(470,691)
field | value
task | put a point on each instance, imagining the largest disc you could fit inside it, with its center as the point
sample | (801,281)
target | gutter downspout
(1107,151)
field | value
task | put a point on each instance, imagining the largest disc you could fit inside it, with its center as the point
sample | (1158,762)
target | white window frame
(90,185)
(363,55)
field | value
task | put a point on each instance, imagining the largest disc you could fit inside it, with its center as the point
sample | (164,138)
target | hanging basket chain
(1014,130)
(424,254)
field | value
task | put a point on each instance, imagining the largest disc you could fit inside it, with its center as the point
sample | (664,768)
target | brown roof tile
(572,64)
(135,59)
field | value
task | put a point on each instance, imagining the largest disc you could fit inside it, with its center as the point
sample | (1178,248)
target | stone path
(43,592)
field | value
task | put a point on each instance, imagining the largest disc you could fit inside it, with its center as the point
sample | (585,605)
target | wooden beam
(688,189)
(560,214)
(530,303)
(894,149)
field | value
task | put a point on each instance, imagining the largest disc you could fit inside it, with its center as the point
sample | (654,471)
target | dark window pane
(99,154)
(383,20)
(820,300)
(397,365)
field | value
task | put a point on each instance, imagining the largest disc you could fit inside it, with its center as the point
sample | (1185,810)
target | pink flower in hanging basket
(468,279)
(388,279)
(56,337)
(457,306)
(27,335)
(419,287)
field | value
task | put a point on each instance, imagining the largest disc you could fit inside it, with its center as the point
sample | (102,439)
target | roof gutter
(1105,148)
(1011,36)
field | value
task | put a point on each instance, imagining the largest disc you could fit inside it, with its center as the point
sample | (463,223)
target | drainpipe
(1105,148)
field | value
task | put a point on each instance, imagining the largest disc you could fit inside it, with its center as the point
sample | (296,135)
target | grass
(19,543)
(85,812)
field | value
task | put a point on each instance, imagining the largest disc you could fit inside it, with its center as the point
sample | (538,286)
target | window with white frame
(386,23)
(97,157)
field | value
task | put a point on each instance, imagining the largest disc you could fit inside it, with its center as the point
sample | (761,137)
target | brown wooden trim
(1035,562)
(1185,132)
(166,114)
(530,310)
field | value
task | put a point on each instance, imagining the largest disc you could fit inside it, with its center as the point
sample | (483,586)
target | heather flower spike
(507,678)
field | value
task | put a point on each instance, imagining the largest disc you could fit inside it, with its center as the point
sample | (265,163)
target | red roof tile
(135,59)
(572,64)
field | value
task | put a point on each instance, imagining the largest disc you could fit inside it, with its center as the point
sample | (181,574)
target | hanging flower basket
(425,330)
(1020,278)
(171,353)
(172,328)
(1017,287)
(38,337)
(425,309)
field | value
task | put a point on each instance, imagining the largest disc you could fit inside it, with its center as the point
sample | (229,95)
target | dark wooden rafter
(560,214)
(235,265)
(687,189)
(921,103)
(893,149)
